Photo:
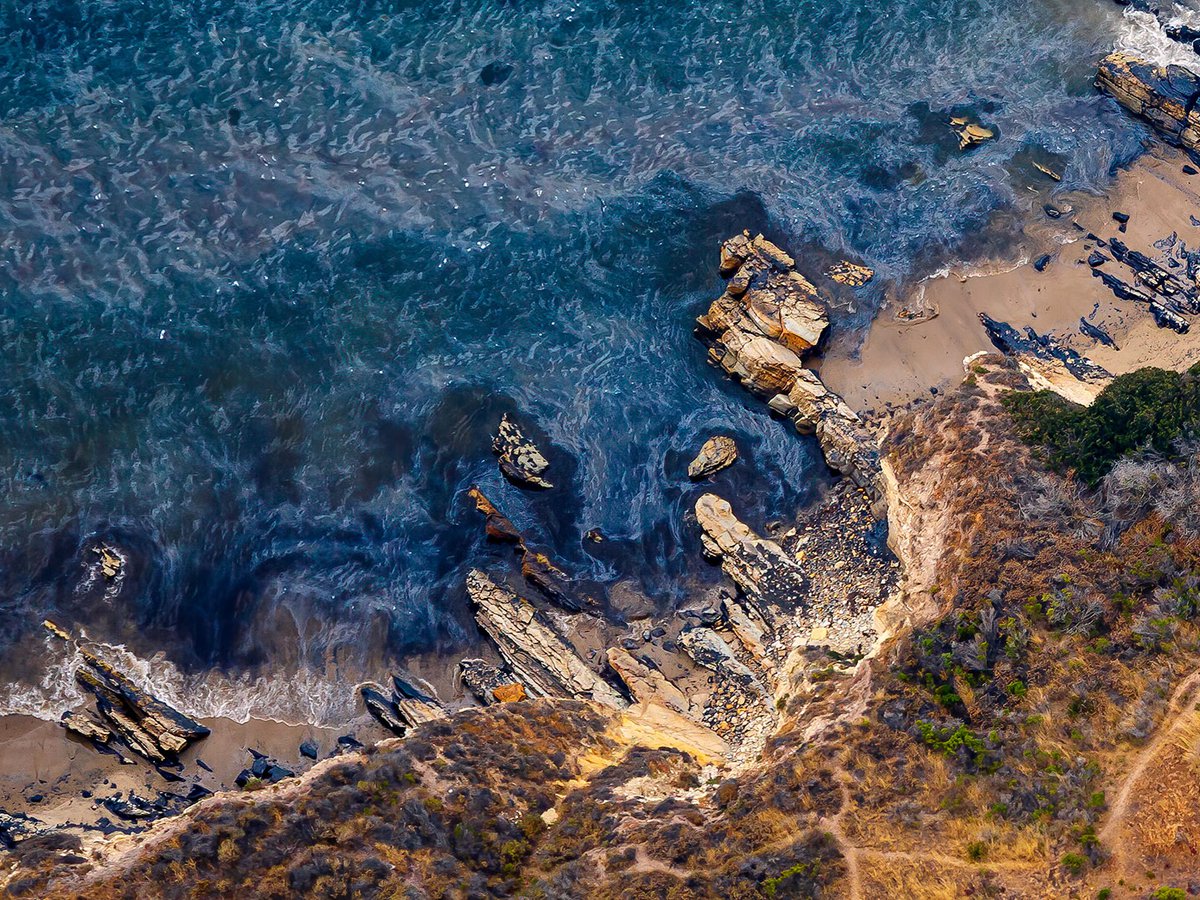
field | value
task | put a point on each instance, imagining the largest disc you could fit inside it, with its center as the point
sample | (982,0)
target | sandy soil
(901,361)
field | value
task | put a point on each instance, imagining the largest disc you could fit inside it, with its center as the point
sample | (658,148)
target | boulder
(483,679)
(520,461)
(540,658)
(716,454)
(970,134)
(496,524)
(851,274)
(150,727)
(509,693)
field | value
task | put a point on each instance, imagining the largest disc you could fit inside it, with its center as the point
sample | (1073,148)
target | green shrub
(1074,862)
(1147,408)
(1168,893)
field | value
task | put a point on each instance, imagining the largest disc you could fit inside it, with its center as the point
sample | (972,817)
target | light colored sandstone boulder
(716,454)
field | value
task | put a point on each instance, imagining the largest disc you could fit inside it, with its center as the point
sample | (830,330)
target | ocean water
(271,270)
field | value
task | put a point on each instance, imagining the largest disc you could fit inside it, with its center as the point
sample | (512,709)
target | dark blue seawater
(271,271)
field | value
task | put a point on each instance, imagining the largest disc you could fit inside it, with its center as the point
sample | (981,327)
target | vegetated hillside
(1036,735)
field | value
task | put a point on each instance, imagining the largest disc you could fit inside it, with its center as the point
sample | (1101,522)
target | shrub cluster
(1149,408)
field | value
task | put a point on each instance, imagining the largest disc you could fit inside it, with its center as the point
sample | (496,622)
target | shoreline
(898,362)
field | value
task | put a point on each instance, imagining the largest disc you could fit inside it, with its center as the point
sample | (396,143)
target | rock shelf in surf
(146,725)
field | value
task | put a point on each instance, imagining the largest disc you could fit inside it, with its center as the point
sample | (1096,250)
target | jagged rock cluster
(404,708)
(1048,364)
(759,330)
(1170,298)
(146,725)
(1164,96)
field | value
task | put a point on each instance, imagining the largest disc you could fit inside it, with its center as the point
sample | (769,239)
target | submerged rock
(541,659)
(716,454)
(848,273)
(970,134)
(520,461)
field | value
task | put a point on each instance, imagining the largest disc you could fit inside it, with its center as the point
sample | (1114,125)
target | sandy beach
(62,781)
(900,360)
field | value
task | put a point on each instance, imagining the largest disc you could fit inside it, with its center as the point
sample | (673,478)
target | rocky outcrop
(539,657)
(86,728)
(536,567)
(716,454)
(646,683)
(769,317)
(520,460)
(1166,97)
(766,575)
(709,649)
(415,706)
(1047,364)
(380,705)
(149,727)
(496,524)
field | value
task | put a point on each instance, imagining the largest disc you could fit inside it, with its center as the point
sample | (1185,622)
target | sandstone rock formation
(758,330)
(520,460)
(144,723)
(86,728)
(766,575)
(646,683)
(716,454)
(1164,96)
(539,657)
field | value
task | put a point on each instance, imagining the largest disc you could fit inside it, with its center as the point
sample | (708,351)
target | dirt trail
(1179,710)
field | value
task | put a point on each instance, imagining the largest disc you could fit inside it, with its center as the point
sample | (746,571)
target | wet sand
(900,361)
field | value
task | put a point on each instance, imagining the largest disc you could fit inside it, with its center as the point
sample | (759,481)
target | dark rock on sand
(309,749)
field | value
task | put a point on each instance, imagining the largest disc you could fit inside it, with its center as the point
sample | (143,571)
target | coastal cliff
(971,669)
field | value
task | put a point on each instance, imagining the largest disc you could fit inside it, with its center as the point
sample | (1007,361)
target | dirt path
(1179,709)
